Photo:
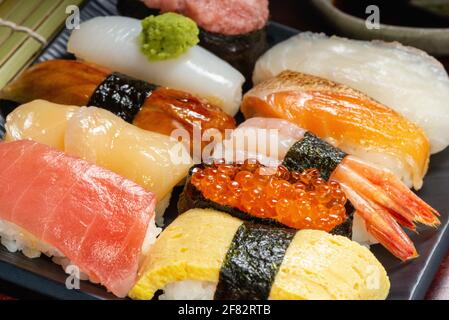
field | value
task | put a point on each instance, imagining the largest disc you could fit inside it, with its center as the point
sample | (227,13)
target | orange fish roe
(300,200)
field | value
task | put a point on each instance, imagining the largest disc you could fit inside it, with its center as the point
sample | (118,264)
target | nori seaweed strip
(312,152)
(122,95)
(345,228)
(252,262)
(241,51)
(191,198)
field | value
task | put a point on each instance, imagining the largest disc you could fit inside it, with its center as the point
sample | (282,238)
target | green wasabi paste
(167,36)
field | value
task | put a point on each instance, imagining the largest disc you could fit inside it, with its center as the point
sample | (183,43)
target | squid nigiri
(114,43)
(148,106)
(405,79)
(379,197)
(100,137)
(347,118)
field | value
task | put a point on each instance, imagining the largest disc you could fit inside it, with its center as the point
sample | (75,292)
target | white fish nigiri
(113,43)
(403,78)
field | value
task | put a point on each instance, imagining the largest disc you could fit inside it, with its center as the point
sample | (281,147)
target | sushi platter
(343,194)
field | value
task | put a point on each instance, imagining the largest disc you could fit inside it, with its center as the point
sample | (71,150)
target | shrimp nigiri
(379,197)
(347,118)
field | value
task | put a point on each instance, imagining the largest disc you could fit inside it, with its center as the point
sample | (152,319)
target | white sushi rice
(150,238)
(359,232)
(161,206)
(189,290)
(15,238)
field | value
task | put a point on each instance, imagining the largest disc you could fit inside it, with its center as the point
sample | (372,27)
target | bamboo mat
(31,24)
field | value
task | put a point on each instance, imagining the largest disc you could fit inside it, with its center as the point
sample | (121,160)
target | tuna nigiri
(102,138)
(148,106)
(347,118)
(405,79)
(114,43)
(379,197)
(67,208)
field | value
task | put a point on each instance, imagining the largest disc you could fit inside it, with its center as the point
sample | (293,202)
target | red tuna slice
(229,17)
(14,175)
(94,217)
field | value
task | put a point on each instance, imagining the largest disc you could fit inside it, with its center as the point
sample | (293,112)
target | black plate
(408,280)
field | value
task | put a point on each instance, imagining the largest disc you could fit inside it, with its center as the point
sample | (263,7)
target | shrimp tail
(380,224)
(384,203)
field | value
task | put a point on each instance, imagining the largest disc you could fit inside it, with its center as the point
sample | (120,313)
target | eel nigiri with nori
(150,107)
(102,138)
(379,197)
(253,192)
(122,44)
(234,30)
(206,254)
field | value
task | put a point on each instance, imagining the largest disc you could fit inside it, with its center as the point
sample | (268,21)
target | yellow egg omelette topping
(193,247)
(317,265)
(320,266)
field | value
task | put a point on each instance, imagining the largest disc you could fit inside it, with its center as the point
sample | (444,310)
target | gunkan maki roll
(234,30)
(275,196)
(206,254)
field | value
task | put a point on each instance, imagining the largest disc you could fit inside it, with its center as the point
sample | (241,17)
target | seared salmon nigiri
(347,118)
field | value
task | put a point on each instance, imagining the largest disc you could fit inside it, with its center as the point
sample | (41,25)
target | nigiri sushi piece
(347,118)
(113,42)
(381,200)
(72,210)
(234,30)
(206,254)
(271,195)
(148,106)
(154,161)
(405,79)
(40,121)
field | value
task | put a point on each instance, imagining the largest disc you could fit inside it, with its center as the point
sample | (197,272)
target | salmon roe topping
(300,200)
